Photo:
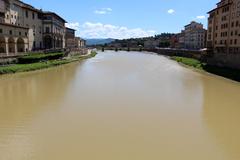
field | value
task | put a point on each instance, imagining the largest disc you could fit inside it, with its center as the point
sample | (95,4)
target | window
(47,30)
(39,16)
(33,15)
(20,33)
(26,34)
(1,31)
(26,14)
(34,28)
(10,32)
(235,41)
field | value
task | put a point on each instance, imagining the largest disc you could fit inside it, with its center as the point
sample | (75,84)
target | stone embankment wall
(220,60)
(81,51)
(177,52)
(224,60)
(6,61)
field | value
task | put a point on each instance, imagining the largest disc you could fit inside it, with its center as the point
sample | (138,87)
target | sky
(122,19)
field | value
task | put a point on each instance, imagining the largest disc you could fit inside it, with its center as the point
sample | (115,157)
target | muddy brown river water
(119,106)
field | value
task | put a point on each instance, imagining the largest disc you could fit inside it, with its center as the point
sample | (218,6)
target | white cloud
(171,11)
(103,11)
(201,17)
(99,30)
(75,25)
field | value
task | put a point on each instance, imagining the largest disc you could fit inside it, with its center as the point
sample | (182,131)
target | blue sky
(127,18)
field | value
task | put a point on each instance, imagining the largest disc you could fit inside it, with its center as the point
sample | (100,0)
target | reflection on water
(23,97)
(119,106)
(221,115)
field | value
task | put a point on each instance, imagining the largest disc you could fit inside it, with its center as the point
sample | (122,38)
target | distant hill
(99,41)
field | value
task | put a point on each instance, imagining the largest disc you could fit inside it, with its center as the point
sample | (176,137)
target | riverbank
(220,71)
(43,65)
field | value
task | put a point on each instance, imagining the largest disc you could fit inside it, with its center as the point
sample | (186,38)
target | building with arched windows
(24,28)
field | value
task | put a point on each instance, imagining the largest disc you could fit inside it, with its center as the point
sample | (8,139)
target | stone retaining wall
(225,60)
(176,52)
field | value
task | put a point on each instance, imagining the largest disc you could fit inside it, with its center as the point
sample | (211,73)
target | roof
(70,29)
(219,7)
(56,15)
(192,23)
(27,6)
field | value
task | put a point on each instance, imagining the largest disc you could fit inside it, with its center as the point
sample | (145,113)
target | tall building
(194,36)
(224,27)
(53,30)
(24,28)
(72,41)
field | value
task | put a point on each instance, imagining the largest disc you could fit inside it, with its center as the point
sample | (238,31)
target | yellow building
(224,27)
(223,38)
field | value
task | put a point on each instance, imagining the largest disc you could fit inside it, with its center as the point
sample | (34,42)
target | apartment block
(224,27)
(194,36)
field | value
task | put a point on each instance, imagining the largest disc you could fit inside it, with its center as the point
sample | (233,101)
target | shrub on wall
(33,58)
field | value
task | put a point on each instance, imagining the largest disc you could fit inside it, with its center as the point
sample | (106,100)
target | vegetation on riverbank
(37,57)
(42,65)
(221,71)
(189,62)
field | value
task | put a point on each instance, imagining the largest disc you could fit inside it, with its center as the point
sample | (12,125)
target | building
(224,27)
(24,28)
(152,43)
(81,42)
(53,31)
(223,38)
(70,38)
(72,41)
(181,40)
(19,24)
(177,41)
(194,36)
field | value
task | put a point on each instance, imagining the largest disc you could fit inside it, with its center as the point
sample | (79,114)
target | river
(119,106)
